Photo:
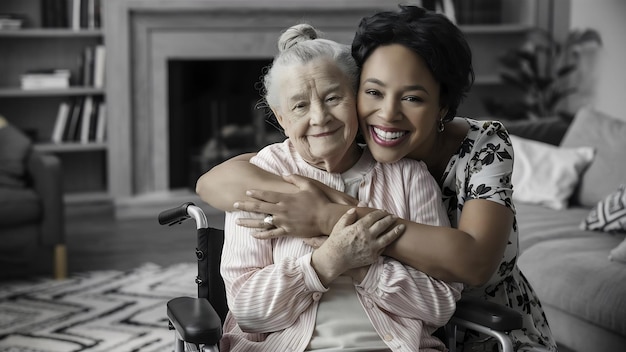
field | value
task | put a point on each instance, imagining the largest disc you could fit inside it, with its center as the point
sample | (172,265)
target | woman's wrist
(327,217)
(322,220)
(323,266)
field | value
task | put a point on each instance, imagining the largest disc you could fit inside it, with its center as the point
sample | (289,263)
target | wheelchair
(197,322)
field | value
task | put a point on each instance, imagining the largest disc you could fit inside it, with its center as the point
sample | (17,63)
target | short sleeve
(490,167)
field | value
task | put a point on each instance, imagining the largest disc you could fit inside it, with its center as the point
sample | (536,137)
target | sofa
(32,233)
(570,199)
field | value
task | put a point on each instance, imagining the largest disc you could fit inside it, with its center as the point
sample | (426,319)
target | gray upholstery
(539,224)
(607,135)
(14,147)
(32,233)
(547,130)
(575,277)
(582,291)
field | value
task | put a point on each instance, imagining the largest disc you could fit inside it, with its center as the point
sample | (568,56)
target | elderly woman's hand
(293,214)
(355,243)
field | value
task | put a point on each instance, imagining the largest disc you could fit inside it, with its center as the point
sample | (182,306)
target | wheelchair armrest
(195,320)
(488,314)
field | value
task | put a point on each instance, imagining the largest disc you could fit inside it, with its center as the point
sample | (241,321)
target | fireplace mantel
(142,35)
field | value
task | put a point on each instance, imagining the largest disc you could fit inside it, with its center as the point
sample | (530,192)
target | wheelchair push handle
(184,212)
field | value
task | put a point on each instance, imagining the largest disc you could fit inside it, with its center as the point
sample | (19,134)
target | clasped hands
(353,242)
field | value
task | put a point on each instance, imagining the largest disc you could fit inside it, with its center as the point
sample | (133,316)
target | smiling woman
(396,82)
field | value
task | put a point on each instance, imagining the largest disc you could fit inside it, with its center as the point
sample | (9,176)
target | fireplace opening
(214,114)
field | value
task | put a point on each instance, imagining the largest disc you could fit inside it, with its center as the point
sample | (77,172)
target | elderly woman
(285,295)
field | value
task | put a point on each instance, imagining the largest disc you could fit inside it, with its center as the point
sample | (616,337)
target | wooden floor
(97,240)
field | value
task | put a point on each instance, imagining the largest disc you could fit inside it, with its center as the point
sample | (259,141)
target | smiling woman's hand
(294,214)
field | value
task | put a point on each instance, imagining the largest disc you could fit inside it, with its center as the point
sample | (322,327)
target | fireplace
(214,114)
(146,38)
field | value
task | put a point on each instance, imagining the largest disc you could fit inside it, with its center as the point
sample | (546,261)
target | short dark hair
(430,35)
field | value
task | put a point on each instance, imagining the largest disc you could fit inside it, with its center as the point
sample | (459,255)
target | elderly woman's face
(318,113)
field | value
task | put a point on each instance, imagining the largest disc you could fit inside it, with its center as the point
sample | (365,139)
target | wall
(609,83)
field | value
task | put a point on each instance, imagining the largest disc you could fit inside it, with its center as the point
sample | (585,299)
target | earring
(441,126)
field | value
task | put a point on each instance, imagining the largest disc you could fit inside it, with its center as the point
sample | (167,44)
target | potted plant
(543,69)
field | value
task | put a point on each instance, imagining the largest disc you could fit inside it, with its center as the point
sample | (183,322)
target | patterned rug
(100,311)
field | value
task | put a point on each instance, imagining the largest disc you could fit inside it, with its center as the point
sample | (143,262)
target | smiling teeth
(388,136)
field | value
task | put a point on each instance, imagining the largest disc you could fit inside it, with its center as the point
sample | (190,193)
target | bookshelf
(49,39)
(494,27)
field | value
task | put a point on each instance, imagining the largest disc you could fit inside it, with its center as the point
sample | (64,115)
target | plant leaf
(519,81)
(544,82)
(566,70)
(531,59)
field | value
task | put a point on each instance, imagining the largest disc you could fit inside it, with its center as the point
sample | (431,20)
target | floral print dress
(481,169)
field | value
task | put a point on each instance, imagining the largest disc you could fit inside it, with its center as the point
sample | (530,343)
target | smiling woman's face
(398,104)
(317,110)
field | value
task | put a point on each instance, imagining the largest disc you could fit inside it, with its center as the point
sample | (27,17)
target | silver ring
(269,220)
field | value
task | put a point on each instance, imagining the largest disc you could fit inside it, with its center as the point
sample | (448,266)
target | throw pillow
(545,174)
(608,170)
(609,215)
(14,147)
(619,253)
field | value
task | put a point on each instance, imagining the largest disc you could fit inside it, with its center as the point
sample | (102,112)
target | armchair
(32,233)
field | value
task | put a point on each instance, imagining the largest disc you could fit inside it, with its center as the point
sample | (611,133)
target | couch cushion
(14,147)
(546,174)
(29,209)
(537,224)
(575,276)
(547,130)
(608,169)
(619,253)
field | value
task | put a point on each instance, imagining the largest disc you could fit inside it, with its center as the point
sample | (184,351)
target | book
(88,66)
(44,82)
(93,119)
(74,9)
(97,13)
(84,13)
(54,13)
(9,21)
(61,13)
(73,123)
(85,120)
(449,10)
(101,127)
(45,79)
(99,65)
(91,14)
(60,122)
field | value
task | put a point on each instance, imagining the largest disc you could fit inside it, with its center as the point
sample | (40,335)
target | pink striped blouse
(273,292)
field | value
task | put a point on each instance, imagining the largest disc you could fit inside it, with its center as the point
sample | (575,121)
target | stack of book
(91,69)
(478,11)
(80,120)
(90,72)
(75,14)
(10,21)
(46,79)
